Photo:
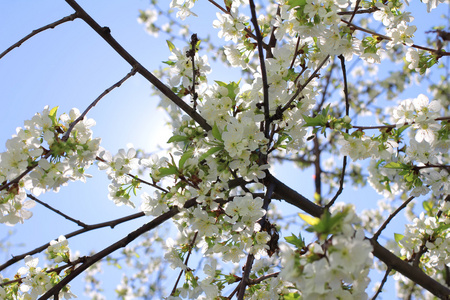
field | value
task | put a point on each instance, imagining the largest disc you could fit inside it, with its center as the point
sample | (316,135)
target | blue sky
(70,66)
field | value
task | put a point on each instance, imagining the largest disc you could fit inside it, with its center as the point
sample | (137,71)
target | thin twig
(94,103)
(250,258)
(362,11)
(391,216)
(347,110)
(295,53)
(137,178)
(354,11)
(273,39)
(191,245)
(247,31)
(148,183)
(79,223)
(385,37)
(57,270)
(313,75)
(36,31)
(262,278)
(191,54)
(262,66)
(111,224)
(391,126)
(383,282)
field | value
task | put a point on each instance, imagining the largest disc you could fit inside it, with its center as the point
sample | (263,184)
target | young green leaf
(171,45)
(186,155)
(299,242)
(216,133)
(398,237)
(52,115)
(309,219)
(178,138)
(167,171)
(210,152)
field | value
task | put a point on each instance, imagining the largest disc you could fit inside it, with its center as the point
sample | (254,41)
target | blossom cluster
(34,281)
(427,236)
(41,157)
(334,267)
(118,168)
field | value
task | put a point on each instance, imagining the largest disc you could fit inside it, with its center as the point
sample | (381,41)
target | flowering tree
(216,182)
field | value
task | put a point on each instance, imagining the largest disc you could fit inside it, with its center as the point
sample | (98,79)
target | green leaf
(167,171)
(186,155)
(428,206)
(231,87)
(327,224)
(292,296)
(441,228)
(299,242)
(401,129)
(169,62)
(319,120)
(216,133)
(398,237)
(295,3)
(309,219)
(210,152)
(171,45)
(52,115)
(178,138)
(396,165)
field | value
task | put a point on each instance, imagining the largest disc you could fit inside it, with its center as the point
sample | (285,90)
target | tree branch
(383,282)
(36,31)
(69,130)
(126,240)
(250,258)
(391,216)
(313,75)
(79,223)
(347,110)
(262,65)
(111,224)
(105,33)
(191,245)
(94,103)
(385,37)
